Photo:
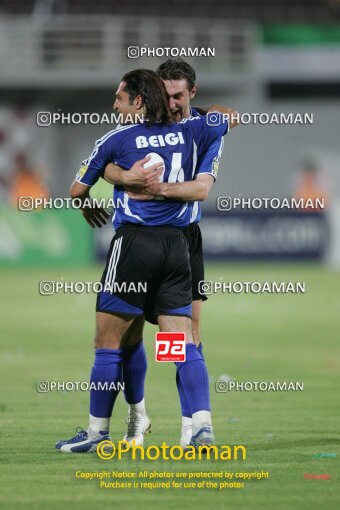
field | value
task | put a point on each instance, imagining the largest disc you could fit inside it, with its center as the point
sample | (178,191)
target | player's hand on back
(95,216)
(138,176)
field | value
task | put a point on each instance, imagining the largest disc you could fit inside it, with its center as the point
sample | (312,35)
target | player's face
(179,97)
(122,103)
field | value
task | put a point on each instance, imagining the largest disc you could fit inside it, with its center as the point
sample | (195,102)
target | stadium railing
(92,50)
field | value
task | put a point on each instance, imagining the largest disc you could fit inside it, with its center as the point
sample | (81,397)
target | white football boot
(186,432)
(138,425)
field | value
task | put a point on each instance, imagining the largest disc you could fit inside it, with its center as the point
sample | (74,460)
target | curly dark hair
(148,85)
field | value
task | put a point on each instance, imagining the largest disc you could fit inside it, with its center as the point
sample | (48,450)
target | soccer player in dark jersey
(179,79)
(149,246)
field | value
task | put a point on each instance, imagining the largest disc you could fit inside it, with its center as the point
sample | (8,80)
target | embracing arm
(189,191)
(79,190)
(138,176)
(95,216)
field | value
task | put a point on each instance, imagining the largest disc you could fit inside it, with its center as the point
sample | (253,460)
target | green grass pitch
(250,337)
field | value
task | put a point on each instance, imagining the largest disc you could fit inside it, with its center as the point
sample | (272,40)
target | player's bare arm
(188,191)
(138,176)
(95,216)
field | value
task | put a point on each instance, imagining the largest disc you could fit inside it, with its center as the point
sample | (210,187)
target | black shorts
(194,238)
(147,272)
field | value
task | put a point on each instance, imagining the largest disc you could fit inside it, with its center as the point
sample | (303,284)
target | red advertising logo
(170,346)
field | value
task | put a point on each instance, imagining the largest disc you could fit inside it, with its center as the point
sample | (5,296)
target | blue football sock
(194,378)
(185,408)
(134,372)
(107,369)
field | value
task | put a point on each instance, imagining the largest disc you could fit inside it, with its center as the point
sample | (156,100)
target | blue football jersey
(179,146)
(208,162)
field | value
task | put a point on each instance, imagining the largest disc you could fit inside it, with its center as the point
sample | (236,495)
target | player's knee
(105,339)
(134,334)
(195,325)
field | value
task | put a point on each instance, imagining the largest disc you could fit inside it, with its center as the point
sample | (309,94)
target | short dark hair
(177,69)
(146,83)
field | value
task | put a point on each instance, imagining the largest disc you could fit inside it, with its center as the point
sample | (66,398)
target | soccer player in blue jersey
(149,246)
(179,79)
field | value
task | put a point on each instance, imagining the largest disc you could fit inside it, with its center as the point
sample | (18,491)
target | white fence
(92,51)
